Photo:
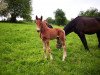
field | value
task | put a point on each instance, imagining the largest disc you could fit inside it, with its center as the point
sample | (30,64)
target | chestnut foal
(47,34)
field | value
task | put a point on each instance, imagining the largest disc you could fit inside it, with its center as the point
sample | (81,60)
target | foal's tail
(60,37)
(61,33)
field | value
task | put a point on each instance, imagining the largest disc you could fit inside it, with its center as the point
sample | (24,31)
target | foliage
(50,20)
(21,53)
(92,12)
(60,18)
(20,8)
(3,7)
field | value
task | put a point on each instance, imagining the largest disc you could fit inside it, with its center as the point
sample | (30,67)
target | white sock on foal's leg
(64,56)
(64,53)
(45,56)
(51,58)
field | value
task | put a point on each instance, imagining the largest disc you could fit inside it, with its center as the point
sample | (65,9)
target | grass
(21,53)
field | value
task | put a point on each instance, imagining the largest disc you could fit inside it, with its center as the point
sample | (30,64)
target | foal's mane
(44,23)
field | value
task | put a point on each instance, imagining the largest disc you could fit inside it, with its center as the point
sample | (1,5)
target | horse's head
(38,23)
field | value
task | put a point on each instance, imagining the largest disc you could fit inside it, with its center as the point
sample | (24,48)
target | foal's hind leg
(98,36)
(64,49)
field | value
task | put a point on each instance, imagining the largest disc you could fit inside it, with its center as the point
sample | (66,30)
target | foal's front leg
(44,47)
(49,50)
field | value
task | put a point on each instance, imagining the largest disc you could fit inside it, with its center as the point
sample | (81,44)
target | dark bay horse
(47,34)
(84,25)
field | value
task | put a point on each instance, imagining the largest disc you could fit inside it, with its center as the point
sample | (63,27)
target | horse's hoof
(99,46)
(87,49)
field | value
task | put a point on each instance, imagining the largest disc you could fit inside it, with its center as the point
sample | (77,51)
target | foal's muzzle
(38,30)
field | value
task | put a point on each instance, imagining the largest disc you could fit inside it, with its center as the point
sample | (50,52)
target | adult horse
(84,25)
(47,34)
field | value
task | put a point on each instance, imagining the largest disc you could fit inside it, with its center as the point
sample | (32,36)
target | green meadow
(21,53)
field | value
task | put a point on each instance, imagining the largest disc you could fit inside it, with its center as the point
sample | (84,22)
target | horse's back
(60,32)
(56,32)
(88,24)
(98,19)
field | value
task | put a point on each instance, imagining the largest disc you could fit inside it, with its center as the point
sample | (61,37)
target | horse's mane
(45,23)
(48,24)
(71,23)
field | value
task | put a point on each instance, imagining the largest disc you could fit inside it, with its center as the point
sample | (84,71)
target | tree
(3,7)
(92,12)
(20,8)
(60,18)
(50,20)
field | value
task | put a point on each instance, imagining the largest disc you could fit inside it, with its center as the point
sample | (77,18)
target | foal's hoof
(63,59)
(45,57)
(51,58)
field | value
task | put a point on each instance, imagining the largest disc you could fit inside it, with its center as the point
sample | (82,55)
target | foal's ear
(41,18)
(36,17)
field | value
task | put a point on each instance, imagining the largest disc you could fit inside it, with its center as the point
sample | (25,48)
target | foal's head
(38,23)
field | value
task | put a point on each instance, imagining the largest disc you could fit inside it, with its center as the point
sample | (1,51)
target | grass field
(21,53)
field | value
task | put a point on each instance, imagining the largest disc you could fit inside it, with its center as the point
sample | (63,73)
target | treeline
(11,9)
(60,18)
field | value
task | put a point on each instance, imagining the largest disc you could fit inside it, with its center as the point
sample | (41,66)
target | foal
(47,34)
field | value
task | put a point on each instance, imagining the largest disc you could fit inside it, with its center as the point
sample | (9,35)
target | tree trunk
(13,18)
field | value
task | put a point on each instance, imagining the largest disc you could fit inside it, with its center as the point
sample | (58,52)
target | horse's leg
(44,47)
(59,44)
(83,39)
(64,49)
(98,36)
(49,50)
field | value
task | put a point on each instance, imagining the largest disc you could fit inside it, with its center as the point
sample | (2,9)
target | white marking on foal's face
(38,26)
(38,29)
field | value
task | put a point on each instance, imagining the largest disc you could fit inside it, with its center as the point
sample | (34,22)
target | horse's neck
(44,28)
(69,28)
